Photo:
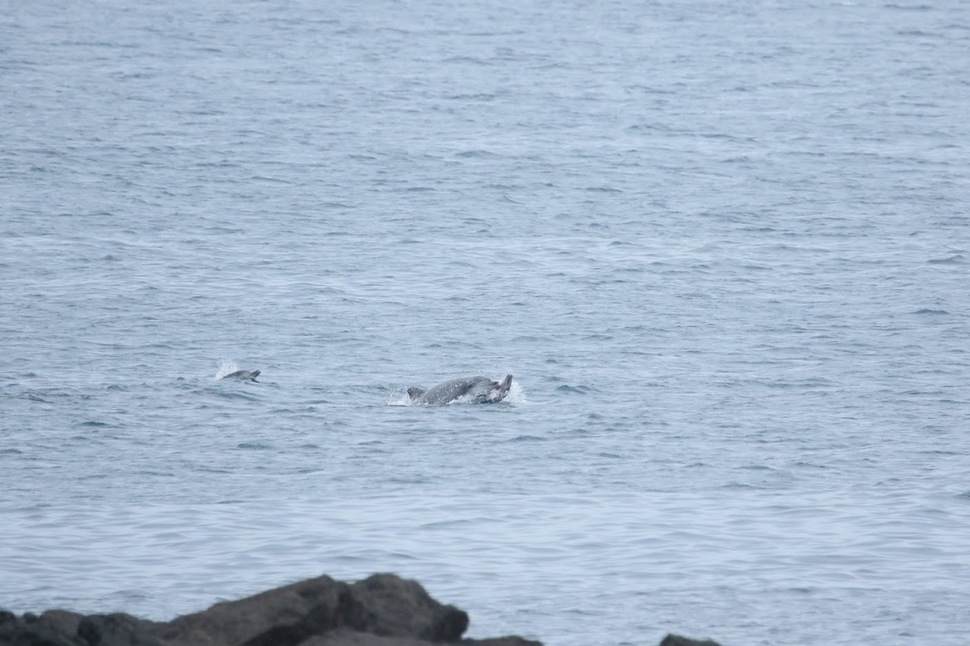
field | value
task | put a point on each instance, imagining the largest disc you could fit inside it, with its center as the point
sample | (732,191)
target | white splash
(516,395)
(399,399)
(226,367)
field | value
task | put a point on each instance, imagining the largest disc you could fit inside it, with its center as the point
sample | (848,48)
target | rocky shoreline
(381,610)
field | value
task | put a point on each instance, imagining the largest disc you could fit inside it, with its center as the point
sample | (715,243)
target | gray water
(722,246)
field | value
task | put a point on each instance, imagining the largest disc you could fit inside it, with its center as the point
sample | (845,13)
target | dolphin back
(446,391)
(242,374)
(482,389)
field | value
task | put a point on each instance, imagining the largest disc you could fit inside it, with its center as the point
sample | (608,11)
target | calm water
(722,246)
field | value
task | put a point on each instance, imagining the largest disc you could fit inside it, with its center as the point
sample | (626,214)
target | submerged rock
(678,640)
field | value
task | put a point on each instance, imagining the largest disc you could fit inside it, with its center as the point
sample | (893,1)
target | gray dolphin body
(242,374)
(480,390)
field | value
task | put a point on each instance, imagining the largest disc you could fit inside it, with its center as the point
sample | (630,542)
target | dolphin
(242,374)
(481,390)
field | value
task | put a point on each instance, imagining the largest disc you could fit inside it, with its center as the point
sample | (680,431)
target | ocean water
(722,246)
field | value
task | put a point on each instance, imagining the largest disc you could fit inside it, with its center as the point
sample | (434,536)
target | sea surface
(722,246)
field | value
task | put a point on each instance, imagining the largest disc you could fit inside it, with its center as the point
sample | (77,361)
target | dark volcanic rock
(388,605)
(286,615)
(117,629)
(382,610)
(677,640)
(19,632)
(345,637)
(62,628)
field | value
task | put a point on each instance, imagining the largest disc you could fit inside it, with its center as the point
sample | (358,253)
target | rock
(117,629)
(62,621)
(285,615)
(677,640)
(37,631)
(382,610)
(390,606)
(345,637)
(62,628)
